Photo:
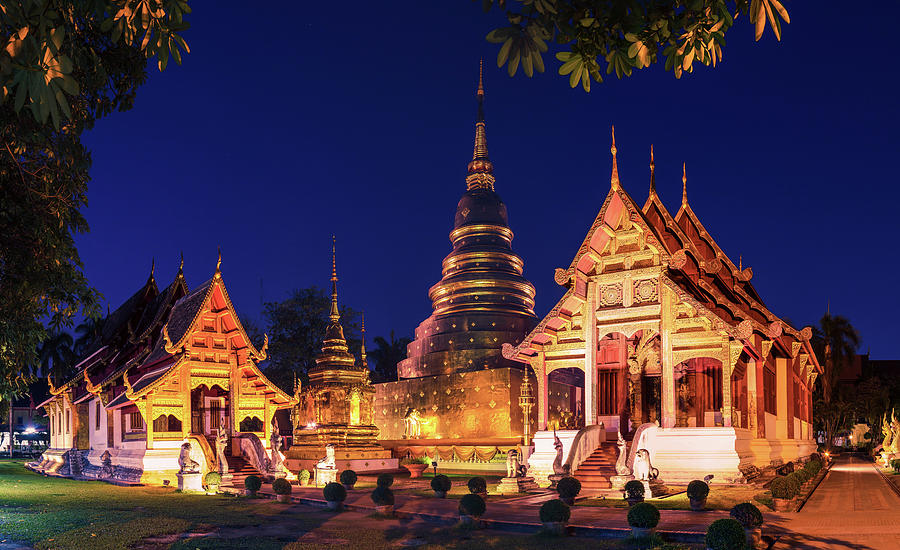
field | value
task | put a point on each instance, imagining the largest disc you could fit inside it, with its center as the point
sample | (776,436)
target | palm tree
(56,355)
(835,342)
(386,355)
(87,332)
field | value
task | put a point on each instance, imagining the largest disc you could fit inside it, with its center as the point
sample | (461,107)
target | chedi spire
(480,170)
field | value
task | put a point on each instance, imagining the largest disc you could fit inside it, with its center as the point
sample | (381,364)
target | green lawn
(52,513)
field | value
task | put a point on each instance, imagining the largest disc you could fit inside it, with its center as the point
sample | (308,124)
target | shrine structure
(456,399)
(669,331)
(167,368)
(337,406)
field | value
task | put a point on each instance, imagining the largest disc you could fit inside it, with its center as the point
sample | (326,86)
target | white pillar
(589,334)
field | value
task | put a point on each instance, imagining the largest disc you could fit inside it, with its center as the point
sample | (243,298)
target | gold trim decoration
(53,389)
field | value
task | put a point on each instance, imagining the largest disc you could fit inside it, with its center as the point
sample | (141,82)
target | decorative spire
(481,170)
(335,315)
(219,264)
(652,172)
(740,262)
(362,352)
(684,184)
(614,178)
(181,265)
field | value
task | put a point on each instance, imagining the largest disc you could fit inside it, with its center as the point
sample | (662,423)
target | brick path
(853,507)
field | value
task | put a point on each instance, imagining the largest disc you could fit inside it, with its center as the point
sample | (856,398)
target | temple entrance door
(651,398)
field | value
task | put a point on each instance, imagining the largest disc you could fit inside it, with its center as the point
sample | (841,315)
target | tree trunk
(10,428)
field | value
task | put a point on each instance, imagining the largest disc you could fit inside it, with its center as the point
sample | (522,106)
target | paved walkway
(853,507)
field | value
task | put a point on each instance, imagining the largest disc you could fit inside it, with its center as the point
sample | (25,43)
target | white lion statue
(327,463)
(642,469)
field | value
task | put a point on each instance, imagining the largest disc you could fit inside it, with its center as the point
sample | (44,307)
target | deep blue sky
(357,119)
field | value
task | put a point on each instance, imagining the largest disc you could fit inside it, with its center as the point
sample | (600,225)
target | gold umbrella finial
(684,200)
(335,314)
(219,263)
(652,171)
(614,178)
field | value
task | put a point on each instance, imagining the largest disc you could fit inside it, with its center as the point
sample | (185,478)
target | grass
(56,513)
(720,498)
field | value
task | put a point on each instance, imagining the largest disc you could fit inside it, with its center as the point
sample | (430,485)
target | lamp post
(526,402)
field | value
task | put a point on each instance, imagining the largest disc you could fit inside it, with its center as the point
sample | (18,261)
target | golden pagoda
(336,407)
(456,393)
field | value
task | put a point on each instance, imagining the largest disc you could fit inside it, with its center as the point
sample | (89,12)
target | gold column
(149,422)
(666,326)
(752,423)
(734,353)
(589,334)
(782,370)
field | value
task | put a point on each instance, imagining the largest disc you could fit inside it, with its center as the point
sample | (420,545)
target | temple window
(354,409)
(135,421)
(607,388)
(68,421)
(97,415)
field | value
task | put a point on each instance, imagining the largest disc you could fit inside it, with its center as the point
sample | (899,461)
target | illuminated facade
(167,368)
(336,407)
(666,328)
(456,397)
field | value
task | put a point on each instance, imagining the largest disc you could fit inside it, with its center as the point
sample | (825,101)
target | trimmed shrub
(643,515)
(334,492)
(803,475)
(568,487)
(781,487)
(726,534)
(304,475)
(747,515)
(477,485)
(697,490)
(385,480)
(252,483)
(349,477)
(213,478)
(794,478)
(282,486)
(895,464)
(813,467)
(421,460)
(383,496)
(634,489)
(815,456)
(555,510)
(441,483)
(472,505)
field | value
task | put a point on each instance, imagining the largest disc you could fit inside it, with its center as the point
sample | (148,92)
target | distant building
(30,433)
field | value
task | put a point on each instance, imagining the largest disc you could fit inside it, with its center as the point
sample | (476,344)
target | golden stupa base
(368,458)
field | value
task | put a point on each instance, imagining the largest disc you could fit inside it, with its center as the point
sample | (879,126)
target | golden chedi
(336,407)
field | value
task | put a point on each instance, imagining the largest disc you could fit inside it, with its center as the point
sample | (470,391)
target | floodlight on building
(30,430)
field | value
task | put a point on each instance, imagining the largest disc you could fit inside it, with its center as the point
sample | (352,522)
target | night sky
(285,126)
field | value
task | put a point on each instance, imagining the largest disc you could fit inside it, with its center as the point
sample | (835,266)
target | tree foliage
(835,342)
(622,36)
(63,66)
(296,327)
(384,357)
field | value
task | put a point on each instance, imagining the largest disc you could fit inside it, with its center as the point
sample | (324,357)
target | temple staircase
(240,468)
(594,473)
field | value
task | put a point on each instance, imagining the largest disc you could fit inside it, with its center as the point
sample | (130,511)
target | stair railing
(253,450)
(586,441)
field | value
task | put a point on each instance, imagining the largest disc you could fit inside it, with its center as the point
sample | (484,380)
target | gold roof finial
(740,262)
(219,263)
(181,264)
(362,352)
(480,169)
(684,184)
(335,314)
(614,178)
(152,267)
(652,171)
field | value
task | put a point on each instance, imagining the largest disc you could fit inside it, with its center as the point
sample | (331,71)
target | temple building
(456,397)
(337,406)
(168,368)
(669,331)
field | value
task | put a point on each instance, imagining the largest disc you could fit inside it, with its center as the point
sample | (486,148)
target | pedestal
(324,477)
(618,482)
(513,485)
(654,488)
(190,482)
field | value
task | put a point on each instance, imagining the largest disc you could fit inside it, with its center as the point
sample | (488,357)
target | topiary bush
(303,476)
(472,505)
(213,478)
(282,486)
(781,487)
(385,480)
(747,515)
(477,485)
(383,496)
(441,483)
(643,515)
(555,510)
(803,475)
(895,464)
(421,460)
(697,490)
(726,534)
(813,467)
(252,483)
(634,489)
(334,492)
(794,478)
(568,487)
(349,477)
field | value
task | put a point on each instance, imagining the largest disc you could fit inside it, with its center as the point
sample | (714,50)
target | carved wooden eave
(520,352)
